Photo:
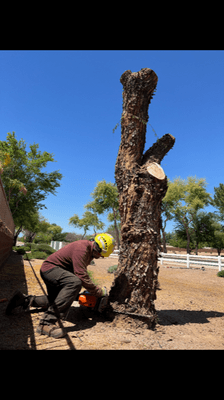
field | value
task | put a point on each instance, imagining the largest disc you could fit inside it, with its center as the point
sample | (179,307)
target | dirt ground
(190,307)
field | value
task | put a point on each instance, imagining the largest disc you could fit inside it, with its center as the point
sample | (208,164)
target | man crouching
(64,273)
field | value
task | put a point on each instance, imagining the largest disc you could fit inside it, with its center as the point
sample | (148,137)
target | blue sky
(69,102)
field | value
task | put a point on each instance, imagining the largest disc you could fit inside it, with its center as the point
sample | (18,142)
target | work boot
(17,300)
(51,331)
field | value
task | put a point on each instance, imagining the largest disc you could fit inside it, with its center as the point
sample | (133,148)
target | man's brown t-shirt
(74,257)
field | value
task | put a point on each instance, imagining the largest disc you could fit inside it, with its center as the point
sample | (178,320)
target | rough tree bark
(140,196)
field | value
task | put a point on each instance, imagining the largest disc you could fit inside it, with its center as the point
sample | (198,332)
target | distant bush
(22,249)
(221,274)
(27,246)
(112,269)
(34,246)
(39,255)
(28,256)
(44,247)
(19,249)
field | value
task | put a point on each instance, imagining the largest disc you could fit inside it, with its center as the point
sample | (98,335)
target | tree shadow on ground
(16,328)
(182,317)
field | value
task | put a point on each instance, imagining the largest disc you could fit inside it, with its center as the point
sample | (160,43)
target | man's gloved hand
(103,300)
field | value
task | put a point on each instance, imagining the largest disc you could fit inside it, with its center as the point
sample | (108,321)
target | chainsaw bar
(133,314)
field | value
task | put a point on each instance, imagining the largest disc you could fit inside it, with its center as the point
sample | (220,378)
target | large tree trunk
(141,186)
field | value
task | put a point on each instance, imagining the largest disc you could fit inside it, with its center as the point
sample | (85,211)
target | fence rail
(216,262)
(115,254)
(57,245)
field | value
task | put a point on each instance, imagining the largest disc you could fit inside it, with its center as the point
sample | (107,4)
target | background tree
(105,197)
(200,232)
(41,231)
(195,198)
(25,184)
(217,241)
(173,196)
(218,201)
(113,229)
(89,219)
(72,237)
(204,231)
(140,196)
(56,233)
(32,227)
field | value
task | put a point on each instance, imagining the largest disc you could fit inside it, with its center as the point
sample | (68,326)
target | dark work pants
(63,288)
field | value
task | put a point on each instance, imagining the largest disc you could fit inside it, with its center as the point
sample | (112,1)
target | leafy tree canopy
(218,201)
(89,219)
(25,183)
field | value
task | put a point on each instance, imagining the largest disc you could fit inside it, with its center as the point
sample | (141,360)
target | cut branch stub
(156,170)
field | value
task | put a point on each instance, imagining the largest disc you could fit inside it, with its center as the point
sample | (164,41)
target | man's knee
(76,284)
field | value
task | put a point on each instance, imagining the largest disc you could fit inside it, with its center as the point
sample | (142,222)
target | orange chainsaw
(92,302)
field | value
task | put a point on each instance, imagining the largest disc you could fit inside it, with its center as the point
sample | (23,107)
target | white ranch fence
(115,254)
(211,261)
(216,262)
(57,245)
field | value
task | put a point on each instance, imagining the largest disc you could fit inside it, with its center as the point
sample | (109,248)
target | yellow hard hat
(106,242)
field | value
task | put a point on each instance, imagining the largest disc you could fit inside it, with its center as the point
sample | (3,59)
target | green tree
(25,184)
(218,236)
(218,201)
(41,231)
(106,199)
(195,198)
(111,229)
(174,194)
(32,227)
(88,219)
(201,232)
(56,233)
(38,229)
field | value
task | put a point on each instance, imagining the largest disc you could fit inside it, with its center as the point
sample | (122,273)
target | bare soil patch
(190,307)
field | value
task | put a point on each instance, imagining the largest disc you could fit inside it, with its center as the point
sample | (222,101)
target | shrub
(34,246)
(44,247)
(27,246)
(19,249)
(112,269)
(39,254)
(28,256)
(221,274)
